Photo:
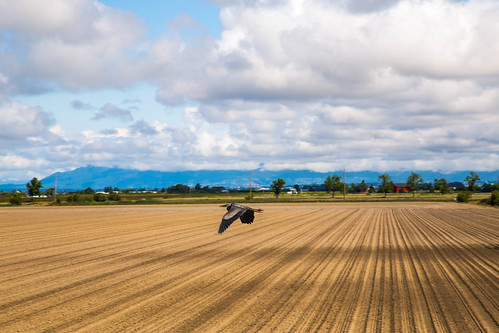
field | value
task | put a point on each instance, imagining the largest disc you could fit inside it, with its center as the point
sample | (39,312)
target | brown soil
(396,267)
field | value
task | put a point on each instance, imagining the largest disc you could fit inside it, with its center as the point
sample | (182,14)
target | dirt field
(396,267)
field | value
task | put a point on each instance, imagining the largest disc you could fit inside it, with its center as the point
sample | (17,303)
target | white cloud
(113,112)
(143,128)
(438,39)
(20,121)
(411,51)
(79,105)
(77,44)
(110,133)
(13,162)
(369,5)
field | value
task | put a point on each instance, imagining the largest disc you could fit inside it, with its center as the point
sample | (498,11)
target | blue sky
(158,14)
(234,84)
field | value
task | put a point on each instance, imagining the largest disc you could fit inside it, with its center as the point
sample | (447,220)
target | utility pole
(55,188)
(251,181)
(344,185)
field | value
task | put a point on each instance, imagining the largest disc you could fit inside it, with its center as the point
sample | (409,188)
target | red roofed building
(400,188)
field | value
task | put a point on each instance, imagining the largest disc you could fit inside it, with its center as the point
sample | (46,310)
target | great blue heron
(235,211)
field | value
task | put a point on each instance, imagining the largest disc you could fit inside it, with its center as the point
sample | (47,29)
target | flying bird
(235,211)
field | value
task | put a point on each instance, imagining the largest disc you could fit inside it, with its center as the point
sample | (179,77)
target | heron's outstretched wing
(233,214)
(248,216)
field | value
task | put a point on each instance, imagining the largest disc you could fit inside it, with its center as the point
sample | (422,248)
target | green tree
(33,187)
(277,186)
(88,190)
(333,184)
(361,187)
(441,185)
(472,179)
(179,188)
(49,192)
(428,187)
(463,196)
(73,198)
(494,198)
(113,196)
(413,181)
(487,188)
(16,199)
(458,186)
(99,197)
(386,183)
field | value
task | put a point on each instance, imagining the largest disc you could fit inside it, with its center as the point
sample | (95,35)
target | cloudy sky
(238,84)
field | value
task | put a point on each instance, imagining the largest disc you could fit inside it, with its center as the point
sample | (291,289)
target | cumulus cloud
(79,105)
(320,80)
(30,141)
(363,6)
(143,128)
(77,44)
(111,111)
(20,121)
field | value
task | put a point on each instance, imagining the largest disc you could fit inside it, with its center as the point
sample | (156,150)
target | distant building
(262,189)
(400,188)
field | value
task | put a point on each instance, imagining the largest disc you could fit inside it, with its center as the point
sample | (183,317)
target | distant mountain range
(98,178)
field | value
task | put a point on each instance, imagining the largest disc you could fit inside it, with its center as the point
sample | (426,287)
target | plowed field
(394,267)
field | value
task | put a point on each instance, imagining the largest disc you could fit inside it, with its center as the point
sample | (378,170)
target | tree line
(414,183)
(333,184)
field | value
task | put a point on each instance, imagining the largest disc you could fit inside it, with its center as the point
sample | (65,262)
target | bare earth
(394,267)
